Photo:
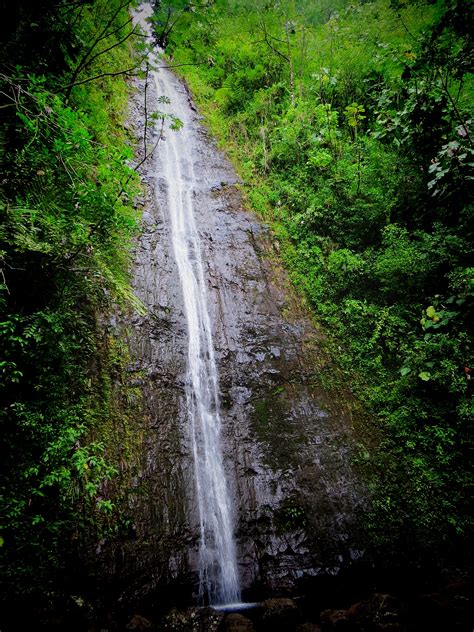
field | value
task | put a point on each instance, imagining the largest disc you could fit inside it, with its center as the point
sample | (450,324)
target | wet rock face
(287,445)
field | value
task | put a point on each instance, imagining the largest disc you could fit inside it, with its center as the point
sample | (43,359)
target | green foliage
(290,516)
(67,225)
(351,126)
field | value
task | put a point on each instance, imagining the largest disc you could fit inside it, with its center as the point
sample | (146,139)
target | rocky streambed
(378,612)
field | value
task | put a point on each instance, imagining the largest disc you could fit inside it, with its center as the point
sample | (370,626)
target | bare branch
(64,5)
(146,107)
(287,58)
(119,28)
(164,34)
(461,120)
(196,63)
(127,71)
(102,35)
(69,8)
(77,17)
(106,50)
(270,45)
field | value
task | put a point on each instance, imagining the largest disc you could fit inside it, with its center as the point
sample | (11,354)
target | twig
(399,15)
(197,63)
(106,50)
(4,280)
(267,41)
(102,35)
(444,83)
(145,107)
(127,72)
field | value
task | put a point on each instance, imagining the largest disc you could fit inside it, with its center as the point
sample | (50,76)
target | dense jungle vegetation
(350,125)
(67,224)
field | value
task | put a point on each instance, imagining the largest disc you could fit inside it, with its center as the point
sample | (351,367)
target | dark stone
(339,620)
(379,610)
(449,609)
(308,627)
(139,623)
(192,620)
(235,622)
(279,614)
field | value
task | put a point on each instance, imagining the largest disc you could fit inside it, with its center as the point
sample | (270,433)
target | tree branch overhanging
(102,35)
(128,72)
(106,50)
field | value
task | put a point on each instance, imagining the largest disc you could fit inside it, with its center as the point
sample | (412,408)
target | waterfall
(218,574)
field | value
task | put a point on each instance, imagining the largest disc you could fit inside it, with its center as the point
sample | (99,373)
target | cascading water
(218,574)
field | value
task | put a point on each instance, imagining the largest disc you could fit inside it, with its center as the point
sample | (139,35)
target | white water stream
(218,574)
